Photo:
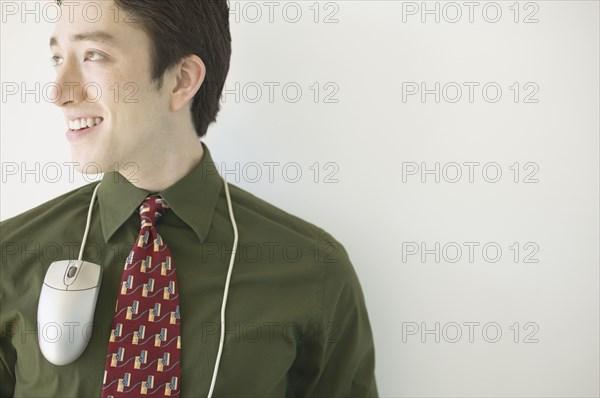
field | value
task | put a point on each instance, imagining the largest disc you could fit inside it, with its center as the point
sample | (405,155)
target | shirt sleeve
(8,355)
(7,361)
(336,356)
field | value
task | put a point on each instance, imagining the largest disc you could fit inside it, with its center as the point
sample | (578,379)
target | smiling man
(103,77)
(139,86)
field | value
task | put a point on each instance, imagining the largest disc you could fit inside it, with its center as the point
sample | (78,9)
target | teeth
(82,123)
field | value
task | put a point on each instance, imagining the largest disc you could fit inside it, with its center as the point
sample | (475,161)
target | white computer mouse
(66,309)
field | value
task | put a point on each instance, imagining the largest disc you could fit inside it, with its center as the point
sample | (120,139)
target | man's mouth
(84,123)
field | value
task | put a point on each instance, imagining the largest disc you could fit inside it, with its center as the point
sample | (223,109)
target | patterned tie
(144,346)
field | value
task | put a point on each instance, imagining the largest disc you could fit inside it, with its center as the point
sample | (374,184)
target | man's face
(103,71)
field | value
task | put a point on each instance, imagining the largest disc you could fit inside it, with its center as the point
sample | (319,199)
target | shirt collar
(193,198)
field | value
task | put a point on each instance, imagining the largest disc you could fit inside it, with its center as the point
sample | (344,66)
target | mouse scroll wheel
(71,272)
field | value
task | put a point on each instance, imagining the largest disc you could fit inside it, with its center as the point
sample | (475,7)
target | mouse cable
(231,262)
(87,225)
(235,242)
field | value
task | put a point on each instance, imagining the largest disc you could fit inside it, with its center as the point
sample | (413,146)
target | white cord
(233,251)
(235,241)
(87,225)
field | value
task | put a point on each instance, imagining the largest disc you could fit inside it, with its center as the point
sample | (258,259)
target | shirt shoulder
(268,221)
(58,211)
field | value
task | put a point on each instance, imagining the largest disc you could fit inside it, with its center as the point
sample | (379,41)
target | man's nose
(69,86)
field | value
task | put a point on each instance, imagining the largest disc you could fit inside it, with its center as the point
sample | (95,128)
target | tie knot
(152,209)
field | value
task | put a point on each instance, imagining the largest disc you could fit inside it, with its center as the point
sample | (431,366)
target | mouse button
(88,276)
(71,271)
(56,273)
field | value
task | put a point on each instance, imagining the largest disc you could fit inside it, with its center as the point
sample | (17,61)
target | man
(296,320)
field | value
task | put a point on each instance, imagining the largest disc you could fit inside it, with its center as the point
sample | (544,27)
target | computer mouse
(66,309)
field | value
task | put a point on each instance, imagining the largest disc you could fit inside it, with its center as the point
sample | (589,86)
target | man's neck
(157,173)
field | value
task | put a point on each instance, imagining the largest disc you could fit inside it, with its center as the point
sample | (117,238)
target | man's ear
(189,76)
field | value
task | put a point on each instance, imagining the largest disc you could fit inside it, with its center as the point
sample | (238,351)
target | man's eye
(55,60)
(93,56)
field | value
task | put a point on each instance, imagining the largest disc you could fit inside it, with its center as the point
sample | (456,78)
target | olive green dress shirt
(296,324)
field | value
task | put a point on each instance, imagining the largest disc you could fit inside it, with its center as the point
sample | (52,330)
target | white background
(370,135)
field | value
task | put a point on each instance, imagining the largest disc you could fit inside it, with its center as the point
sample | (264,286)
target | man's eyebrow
(97,36)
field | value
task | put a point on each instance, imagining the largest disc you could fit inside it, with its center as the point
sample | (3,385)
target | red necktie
(143,357)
